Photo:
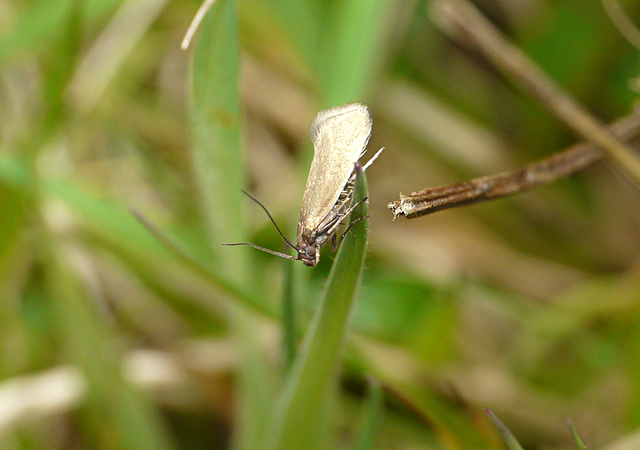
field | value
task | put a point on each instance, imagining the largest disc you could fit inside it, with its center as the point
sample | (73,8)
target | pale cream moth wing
(340,137)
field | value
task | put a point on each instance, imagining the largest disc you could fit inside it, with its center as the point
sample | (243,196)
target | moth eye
(311,251)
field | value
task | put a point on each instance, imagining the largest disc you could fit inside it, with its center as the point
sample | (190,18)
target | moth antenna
(372,159)
(274,224)
(273,252)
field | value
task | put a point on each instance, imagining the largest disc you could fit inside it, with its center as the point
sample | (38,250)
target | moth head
(309,254)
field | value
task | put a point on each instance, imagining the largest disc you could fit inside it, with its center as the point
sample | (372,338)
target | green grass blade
(115,226)
(580,445)
(303,400)
(288,316)
(507,435)
(35,26)
(219,167)
(11,211)
(352,43)
(13,248)
(217,154)
(112,403)
(256,385)
(301,21)
(371,417)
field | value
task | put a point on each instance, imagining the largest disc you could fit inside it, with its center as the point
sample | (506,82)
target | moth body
(340,136)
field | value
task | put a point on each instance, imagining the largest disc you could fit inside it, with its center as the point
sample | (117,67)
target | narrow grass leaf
(35,27)
(301,20)
(112,48)
(371,417)
(14,249)
(580,445)
(115,226)
(219,167)
(215,115)
(256,385)
(288,316)
(302,404)
(11,211)
(352,44)
(112,402)
(507,435)
(450,425)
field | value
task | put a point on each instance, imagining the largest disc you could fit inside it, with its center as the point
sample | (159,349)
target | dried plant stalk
(562,164)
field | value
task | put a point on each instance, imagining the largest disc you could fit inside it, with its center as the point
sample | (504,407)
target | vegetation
(125,323)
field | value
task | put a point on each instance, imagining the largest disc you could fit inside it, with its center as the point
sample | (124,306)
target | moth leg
(352,207)
(334,219)
(334,244)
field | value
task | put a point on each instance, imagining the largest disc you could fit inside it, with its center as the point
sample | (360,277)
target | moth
(340,136)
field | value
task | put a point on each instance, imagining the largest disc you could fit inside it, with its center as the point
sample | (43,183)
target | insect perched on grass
(340,136)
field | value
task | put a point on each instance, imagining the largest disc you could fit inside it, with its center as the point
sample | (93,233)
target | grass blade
(507,435)
(112,402)
(256,385)
(219,166)
(217,154)
(120,230)
(371,417)
(353,44)
(288,316)
(300,20)
(303,400)
(40,21)
(580,445)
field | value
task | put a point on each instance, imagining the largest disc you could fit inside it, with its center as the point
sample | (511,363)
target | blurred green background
(528,306)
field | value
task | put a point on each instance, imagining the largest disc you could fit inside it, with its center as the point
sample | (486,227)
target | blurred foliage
(528,306)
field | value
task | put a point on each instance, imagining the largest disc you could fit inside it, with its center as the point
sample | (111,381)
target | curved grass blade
(580,445)
(301,406)
(507,435)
